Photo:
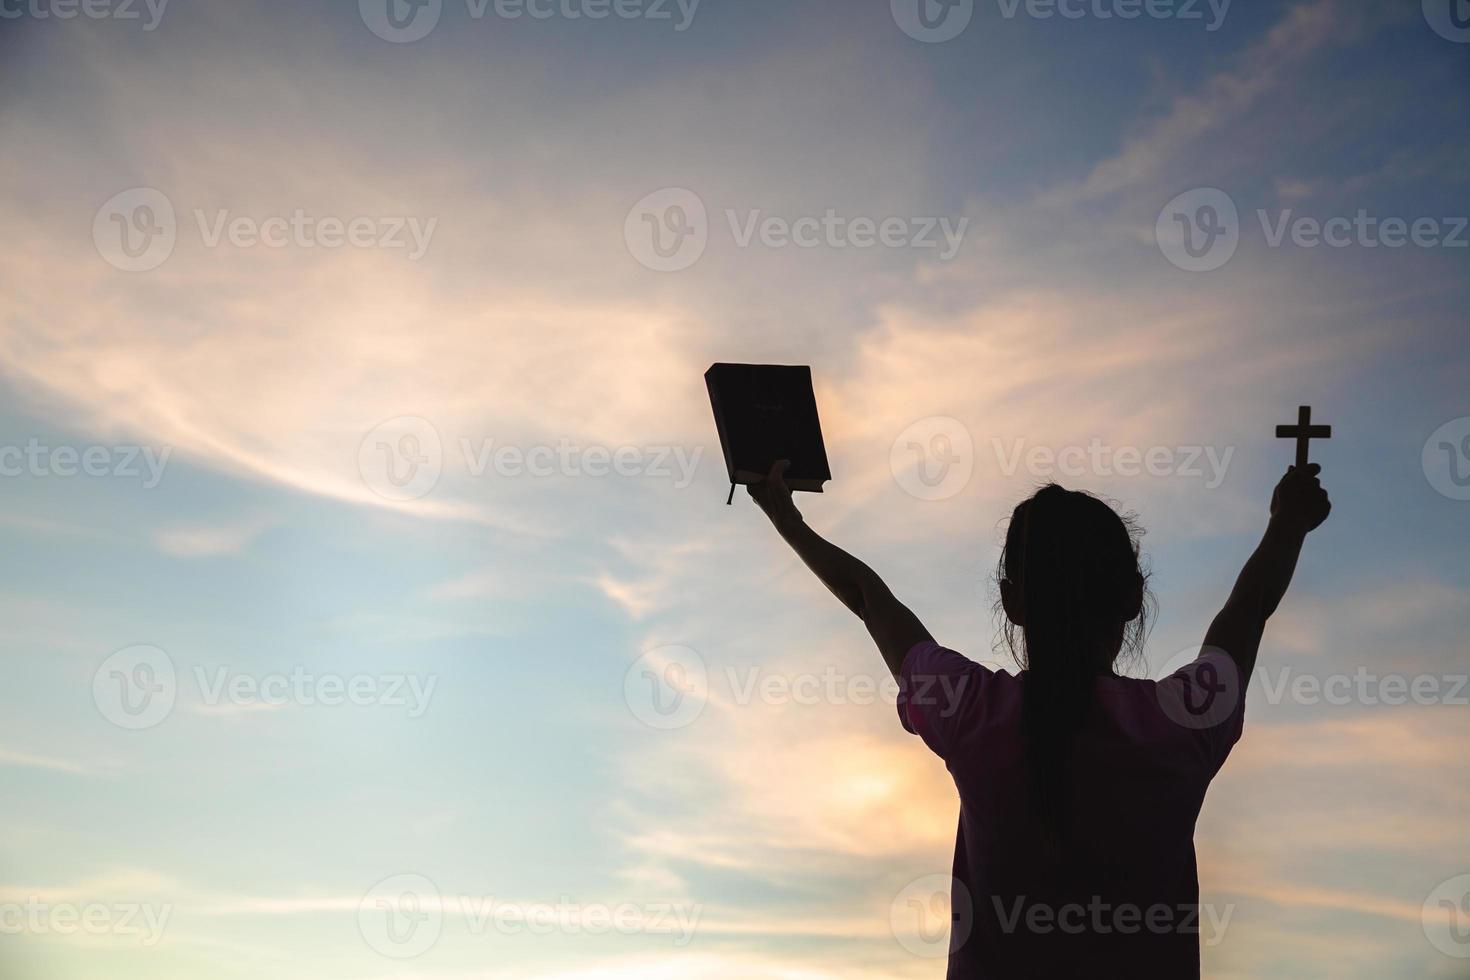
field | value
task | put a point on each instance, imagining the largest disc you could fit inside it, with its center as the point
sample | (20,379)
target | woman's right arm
(1298,506)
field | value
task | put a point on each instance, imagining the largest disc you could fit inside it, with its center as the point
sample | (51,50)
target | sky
(372,609)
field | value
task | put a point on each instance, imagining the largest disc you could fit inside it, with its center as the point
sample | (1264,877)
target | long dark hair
(1075,577)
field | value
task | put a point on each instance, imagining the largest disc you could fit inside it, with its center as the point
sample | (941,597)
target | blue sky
(503,744)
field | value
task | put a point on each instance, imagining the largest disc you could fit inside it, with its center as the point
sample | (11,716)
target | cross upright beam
(1303,432)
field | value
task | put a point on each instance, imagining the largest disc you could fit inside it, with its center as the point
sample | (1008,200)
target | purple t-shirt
(1122,898)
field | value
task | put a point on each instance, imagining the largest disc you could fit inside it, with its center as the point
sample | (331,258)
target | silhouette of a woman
(1078,788)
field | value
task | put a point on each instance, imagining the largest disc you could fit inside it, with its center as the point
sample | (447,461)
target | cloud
(11,757)
(123,885)
(211,540)
(1223,99)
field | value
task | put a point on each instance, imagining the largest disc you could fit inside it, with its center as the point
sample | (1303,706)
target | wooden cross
(1303,432)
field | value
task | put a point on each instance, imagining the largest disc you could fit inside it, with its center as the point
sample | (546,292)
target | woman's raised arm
(894,628)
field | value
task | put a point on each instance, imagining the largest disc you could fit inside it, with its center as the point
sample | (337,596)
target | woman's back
(1112,892)
(1079,789)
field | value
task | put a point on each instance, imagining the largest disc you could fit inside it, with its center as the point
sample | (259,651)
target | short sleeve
(938,694)
(1206,698)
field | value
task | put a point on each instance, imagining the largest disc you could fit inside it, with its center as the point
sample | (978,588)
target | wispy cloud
(11,757)
(211,540)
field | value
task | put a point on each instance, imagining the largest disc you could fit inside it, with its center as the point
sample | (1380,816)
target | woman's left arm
(894,628)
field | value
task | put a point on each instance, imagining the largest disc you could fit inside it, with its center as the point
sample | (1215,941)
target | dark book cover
(766,412)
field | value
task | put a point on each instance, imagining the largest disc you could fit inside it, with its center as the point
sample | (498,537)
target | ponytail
(1074,565)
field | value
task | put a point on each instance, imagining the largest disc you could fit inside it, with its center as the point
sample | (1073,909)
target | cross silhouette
(1303,432)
